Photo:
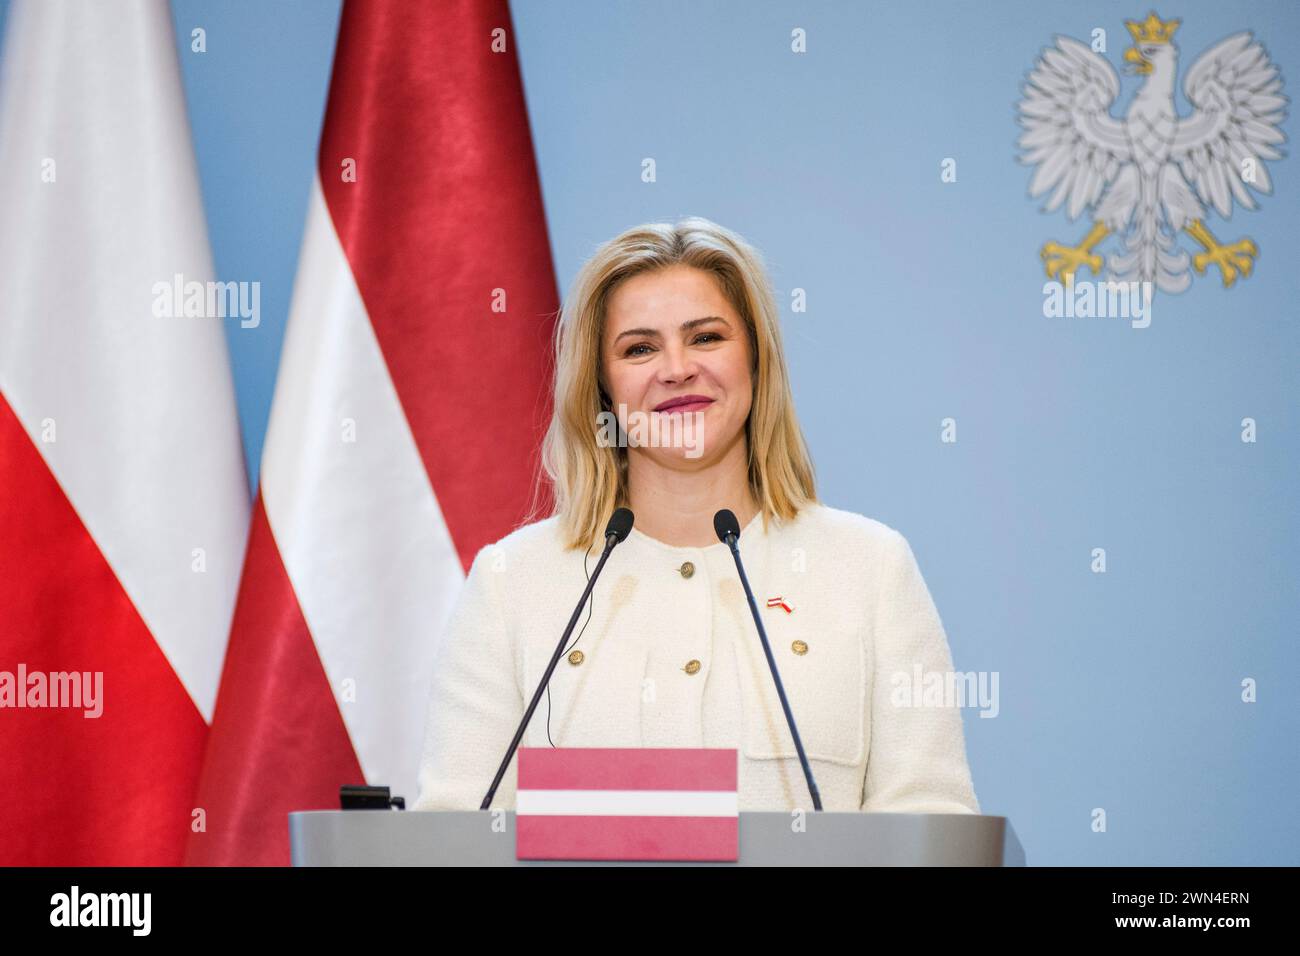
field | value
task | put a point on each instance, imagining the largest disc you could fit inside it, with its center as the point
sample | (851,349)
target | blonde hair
(588,480)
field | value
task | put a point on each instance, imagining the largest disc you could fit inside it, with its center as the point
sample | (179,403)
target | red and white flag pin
(780,602)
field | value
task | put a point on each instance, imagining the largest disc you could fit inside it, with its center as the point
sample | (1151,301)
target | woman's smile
(684,403)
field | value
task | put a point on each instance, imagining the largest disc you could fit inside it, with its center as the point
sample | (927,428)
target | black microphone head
(619,525)
(725,523)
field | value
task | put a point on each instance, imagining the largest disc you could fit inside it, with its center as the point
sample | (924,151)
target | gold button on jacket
(692,667)
(687,569)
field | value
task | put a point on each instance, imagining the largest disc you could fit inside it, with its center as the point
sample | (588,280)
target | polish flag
(406,423)
(123,495)
(627,803)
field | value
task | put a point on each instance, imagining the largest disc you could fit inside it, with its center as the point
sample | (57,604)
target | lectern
(487,838)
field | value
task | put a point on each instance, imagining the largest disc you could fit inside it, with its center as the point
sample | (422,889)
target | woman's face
(670,335)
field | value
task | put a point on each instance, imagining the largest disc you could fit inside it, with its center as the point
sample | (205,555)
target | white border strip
(632,803)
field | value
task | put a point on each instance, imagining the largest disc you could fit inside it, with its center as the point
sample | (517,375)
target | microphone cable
(590,608)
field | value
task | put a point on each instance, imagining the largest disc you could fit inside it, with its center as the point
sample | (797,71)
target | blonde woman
(672,331)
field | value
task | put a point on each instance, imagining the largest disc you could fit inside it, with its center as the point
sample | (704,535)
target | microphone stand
(730,537)
(613,536)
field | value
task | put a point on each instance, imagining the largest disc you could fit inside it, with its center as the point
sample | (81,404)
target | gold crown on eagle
(1152,29)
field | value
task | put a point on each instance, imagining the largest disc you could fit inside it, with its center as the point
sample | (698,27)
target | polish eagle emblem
(1150,176)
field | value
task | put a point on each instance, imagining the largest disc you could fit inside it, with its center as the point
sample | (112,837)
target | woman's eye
(703,337)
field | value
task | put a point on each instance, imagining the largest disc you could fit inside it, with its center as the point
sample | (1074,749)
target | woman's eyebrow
(685,327)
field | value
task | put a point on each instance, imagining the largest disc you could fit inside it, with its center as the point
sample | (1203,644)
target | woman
(676,326)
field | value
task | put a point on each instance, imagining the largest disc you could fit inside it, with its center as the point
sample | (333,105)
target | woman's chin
(677,458)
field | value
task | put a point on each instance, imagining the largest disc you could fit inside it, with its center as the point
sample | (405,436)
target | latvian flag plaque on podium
(627,803)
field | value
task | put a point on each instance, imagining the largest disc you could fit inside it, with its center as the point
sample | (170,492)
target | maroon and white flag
(627,803)
(406,423)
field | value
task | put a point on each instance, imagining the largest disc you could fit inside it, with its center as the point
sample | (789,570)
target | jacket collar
(748,534)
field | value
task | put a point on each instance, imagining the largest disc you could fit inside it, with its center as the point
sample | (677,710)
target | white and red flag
(627,803)
(123,495)
(406,422)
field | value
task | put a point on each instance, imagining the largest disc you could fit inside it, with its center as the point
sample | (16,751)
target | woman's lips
(688,407)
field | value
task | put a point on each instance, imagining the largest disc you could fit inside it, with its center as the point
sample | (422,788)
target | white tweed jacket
(670,657)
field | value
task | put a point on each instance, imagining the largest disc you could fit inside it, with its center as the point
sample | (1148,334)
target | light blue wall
(1118,691)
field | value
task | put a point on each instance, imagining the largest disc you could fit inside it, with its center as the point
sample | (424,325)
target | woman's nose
(677,366)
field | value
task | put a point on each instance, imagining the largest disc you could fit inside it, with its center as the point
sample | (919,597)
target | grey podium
(487,838)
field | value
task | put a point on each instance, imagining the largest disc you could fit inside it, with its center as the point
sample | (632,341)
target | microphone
(620,524)
(728,531)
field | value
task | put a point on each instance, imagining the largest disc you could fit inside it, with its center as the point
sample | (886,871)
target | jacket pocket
(824,673)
